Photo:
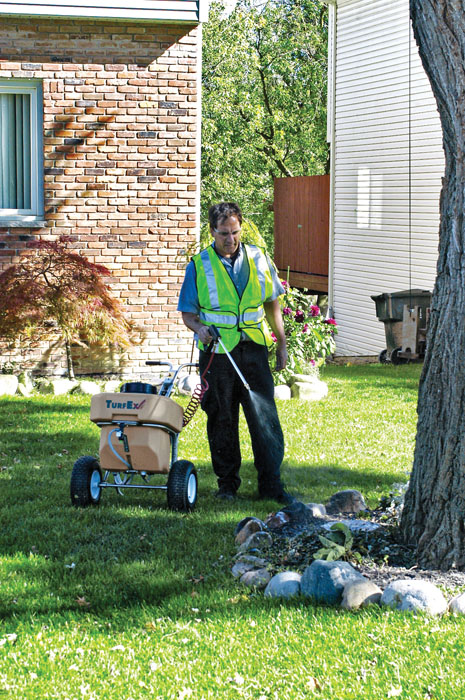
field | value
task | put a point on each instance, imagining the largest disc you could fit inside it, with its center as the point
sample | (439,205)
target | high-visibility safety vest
(221,305)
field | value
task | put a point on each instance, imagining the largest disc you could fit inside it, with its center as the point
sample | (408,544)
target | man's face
(227,235)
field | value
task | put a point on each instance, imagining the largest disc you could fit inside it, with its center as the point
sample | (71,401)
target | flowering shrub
(309,336)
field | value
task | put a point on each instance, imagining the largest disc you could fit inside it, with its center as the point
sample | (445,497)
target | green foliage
(309,336)
(337,544)
(263,101)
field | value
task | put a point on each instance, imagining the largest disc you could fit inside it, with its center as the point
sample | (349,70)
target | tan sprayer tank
(149,445)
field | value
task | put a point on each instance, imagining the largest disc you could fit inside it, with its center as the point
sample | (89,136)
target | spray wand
(215,334)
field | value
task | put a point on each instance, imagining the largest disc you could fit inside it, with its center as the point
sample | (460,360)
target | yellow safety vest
(221,305)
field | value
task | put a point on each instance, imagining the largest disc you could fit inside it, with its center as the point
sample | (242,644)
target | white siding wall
(371,190)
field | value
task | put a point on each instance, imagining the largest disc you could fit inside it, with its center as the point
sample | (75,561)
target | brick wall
(120,130)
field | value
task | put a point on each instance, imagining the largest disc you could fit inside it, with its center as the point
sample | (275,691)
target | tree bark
(69,359)
(434,510)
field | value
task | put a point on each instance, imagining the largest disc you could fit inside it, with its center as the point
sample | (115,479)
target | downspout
(331,138)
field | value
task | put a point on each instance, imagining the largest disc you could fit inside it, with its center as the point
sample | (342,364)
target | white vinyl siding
(21,190)
(189,11)
(375,111)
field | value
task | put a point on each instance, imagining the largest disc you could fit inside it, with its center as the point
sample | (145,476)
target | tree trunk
(434,509)
(69,360)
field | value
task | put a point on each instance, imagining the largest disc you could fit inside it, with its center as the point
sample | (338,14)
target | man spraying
(235,287)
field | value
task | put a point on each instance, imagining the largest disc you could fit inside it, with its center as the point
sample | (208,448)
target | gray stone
(283,392)
(241,567)
(348,501)
(188,384)
(324,581)
(309,391)
(298,512)
(259,540)
(317,510)
(358,594)
(284,585)
(8,384)
(58,387)
(416,595)
(88,388)
(258,562)
(306,378)
(275,521)
(242,522)
(249,528)
(457,604)
(256,579)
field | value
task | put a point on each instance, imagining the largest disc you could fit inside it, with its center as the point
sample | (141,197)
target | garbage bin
(390,310)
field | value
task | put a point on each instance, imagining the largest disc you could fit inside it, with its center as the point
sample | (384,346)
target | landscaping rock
(256,579)
(298,512)
(240,568)
(249,528)
(188,384)
(317,510)
(258,562)
(259,541)
(57,387)
(8,384)
(355,525)
(309,391)
(284,585)
(348,501)
(87,388)
(22,390)
(457,604)
(112,386)
(25,378)
(406,594)
(324,581)
(283,392)
(242,522)
(360,593)
(275,521)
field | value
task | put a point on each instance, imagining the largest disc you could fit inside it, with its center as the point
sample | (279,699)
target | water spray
(215,334)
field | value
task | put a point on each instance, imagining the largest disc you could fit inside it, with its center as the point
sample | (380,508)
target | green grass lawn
(129,600)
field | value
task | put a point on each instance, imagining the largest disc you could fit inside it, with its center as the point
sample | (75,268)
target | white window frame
(36,211)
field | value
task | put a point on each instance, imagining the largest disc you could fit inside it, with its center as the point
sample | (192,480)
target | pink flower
(315,310)
(312,362)
(331,321)
(287,311)
(305,328)
(274,338)
(285,284)
(299,316)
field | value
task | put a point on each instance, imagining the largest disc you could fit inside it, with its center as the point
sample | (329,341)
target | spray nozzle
(214,332)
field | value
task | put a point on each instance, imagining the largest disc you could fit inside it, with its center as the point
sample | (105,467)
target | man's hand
(281,356)
(204,335)
(192,321)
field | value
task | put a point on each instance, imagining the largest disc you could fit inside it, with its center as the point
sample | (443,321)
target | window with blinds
(20,149)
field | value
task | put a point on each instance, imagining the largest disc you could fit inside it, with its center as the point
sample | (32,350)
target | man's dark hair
(219,212)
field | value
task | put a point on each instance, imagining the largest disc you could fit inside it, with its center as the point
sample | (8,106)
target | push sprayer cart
(139,435)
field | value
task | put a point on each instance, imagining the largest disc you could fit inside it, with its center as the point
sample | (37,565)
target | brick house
(99,122)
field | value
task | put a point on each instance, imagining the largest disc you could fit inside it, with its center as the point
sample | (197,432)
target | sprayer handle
(214,332)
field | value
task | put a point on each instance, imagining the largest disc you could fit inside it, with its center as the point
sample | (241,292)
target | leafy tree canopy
(264,101)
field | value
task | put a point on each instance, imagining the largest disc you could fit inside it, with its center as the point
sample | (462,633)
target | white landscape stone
(354,525)
(188,384)
(88,388)
(58,387)
(457,604)
(414,595)
(309,391)
(8,384)
(256,579)
(318,510)
(282,391)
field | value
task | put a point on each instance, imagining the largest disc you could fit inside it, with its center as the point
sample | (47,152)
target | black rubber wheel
(395,359)
(383,357)
(85,482)
(182,486)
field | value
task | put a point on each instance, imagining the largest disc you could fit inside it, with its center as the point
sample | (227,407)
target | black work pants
(221,404)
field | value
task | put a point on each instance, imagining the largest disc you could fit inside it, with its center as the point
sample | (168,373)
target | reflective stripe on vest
(220,303)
